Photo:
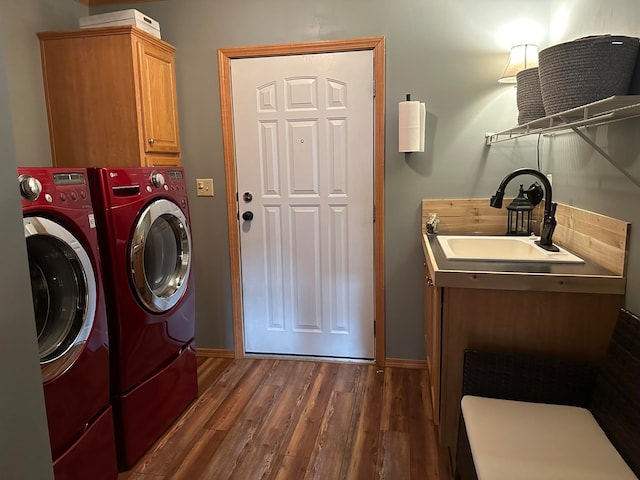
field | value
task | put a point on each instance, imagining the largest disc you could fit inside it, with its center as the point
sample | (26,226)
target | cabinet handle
(152,141)
(429,282)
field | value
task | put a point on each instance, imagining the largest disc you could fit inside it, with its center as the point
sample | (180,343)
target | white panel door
(303,127)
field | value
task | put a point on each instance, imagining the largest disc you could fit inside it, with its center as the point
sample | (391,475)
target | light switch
(204,187)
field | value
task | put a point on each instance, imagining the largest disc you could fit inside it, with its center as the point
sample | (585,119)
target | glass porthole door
(160,256)
(63,287)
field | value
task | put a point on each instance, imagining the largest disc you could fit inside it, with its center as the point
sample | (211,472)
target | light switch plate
(204,187)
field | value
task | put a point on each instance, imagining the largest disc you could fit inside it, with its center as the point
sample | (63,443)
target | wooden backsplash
(599,238)
(471,216)
(596,237)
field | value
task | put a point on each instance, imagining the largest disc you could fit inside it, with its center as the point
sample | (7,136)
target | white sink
(501,249)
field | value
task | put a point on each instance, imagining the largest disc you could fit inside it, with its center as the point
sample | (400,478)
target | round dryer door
(160,254)
(63,286)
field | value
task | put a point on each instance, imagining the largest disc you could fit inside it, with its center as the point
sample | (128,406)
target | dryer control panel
(132,185)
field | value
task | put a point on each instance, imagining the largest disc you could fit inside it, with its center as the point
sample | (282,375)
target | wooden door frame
(225,55)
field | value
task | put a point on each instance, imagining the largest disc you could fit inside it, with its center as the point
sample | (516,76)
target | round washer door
(160,255)
(63,286)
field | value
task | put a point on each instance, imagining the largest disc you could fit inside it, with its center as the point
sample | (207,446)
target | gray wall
(24,440)
(447,54)
(581,176)
(443,53)
(584,178)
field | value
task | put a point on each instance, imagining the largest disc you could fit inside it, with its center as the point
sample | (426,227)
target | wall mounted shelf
(607,110)
(603,111)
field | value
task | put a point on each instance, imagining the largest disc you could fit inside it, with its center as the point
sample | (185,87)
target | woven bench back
(615,403)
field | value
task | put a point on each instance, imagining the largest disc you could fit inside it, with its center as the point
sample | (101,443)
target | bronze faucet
(549,222)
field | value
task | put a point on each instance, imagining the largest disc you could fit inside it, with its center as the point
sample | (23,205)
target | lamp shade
(521,57)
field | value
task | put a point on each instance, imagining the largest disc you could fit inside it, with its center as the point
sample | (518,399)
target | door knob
(248,215)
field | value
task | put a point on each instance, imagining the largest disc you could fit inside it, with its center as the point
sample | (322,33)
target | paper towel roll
(411,124)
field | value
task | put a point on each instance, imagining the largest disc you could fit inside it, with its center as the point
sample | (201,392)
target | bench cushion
(513,440)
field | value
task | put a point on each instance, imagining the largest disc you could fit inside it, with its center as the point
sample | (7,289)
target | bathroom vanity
(564,309)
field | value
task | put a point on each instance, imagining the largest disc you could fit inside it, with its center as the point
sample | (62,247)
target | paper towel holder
(411,125)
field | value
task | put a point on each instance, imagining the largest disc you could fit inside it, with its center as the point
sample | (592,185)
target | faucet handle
(534,194)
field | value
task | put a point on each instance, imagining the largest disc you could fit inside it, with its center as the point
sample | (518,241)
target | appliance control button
(83,194)
(30,187)
(166,187)
(149,189)
(74,196)
(48,198)
(157,179)
(63,196)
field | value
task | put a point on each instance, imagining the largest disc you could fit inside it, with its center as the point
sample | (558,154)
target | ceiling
(92,3)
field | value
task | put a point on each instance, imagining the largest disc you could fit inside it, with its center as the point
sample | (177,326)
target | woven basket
(585,70)
(634,86)
(529,96)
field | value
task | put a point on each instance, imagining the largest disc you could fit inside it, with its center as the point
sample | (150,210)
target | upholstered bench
(528,417)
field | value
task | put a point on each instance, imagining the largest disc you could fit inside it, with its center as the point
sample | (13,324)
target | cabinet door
(433,333)
(159,103)
(162,160)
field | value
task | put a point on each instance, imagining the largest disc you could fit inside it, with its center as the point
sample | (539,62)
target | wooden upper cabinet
(111,98)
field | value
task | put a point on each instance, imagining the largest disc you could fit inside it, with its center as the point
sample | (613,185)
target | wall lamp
(521,57)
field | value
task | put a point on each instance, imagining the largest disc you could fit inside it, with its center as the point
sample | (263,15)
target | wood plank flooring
(286,419)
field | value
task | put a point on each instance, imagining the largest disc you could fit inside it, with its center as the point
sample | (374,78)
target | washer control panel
(54,186)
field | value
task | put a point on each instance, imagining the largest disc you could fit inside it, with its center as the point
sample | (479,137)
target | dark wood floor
(286,419)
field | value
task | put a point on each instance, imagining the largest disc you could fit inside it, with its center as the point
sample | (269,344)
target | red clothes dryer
(71,323)
(143,224)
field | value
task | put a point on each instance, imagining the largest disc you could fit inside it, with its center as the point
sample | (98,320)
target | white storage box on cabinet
(122,17)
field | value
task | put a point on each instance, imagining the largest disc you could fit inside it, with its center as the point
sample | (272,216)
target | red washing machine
(145,240)
(71,323)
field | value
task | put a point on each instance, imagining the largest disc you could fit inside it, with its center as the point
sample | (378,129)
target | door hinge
(374,89)
(374,328)
(374,214)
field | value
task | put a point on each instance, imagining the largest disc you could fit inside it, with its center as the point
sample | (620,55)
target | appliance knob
(30,187)
(157,179)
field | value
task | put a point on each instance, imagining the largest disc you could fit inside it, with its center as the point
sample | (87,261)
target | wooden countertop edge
(521,280)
